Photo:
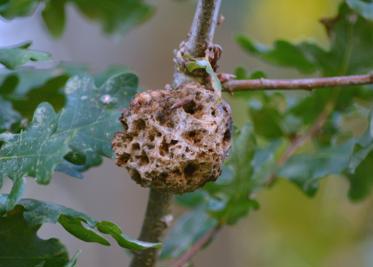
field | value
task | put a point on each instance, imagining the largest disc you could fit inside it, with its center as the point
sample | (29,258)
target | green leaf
(74,260)
(351,39)
(94,113)
(54,17)
(12,57)
(282,53)
(334,150)
(266,121)
(236,191)
(36,151)
(21,247)
(78,224)
(75,227)
(193,199)
(306,170)
(112,229)
(50,91)
(111,71)
(204,64)
(265,162)
(8,116)
(14,195)
(360,167)
(364,145)
(350,50)
(22,90)
(85,127)
(114,15)
(25,88)
(17,8)
(188,229)
(361,180)
(364,8)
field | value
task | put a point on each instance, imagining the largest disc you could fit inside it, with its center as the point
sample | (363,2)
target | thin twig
(203,27)
(198,246)
(295,84)
(199,39)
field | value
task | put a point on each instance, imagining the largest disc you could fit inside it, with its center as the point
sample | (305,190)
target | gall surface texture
(174,140)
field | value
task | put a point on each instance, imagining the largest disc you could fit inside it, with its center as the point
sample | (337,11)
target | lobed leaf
(78,224)
(306,170)
(12,57)
(94,112)
(21,247)
(72,140)
(35,152)
(26,101)
(23,89)
(280,117)
(54,17)
(232,193)
(282,53)
(114,15)
(8,116)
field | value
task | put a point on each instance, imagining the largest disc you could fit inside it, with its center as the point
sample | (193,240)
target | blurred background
(289,230)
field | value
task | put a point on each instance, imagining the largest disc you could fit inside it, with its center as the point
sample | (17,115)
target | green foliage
(23,89)
(78,224)
(35,152)
(74,260)
(8,115)
(71,141)
(114,15)
(232,192)
(93,113)
(12,57)
(333,149)
(203,64)
(307,169)
(54,17)
(350,37)
(21,247)
(283,53)
(74,139)
(188,229)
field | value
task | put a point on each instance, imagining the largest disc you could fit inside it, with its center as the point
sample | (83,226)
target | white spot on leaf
(107,99)
(40,114)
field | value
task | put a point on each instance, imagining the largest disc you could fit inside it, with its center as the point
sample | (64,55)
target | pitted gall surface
(174,140)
